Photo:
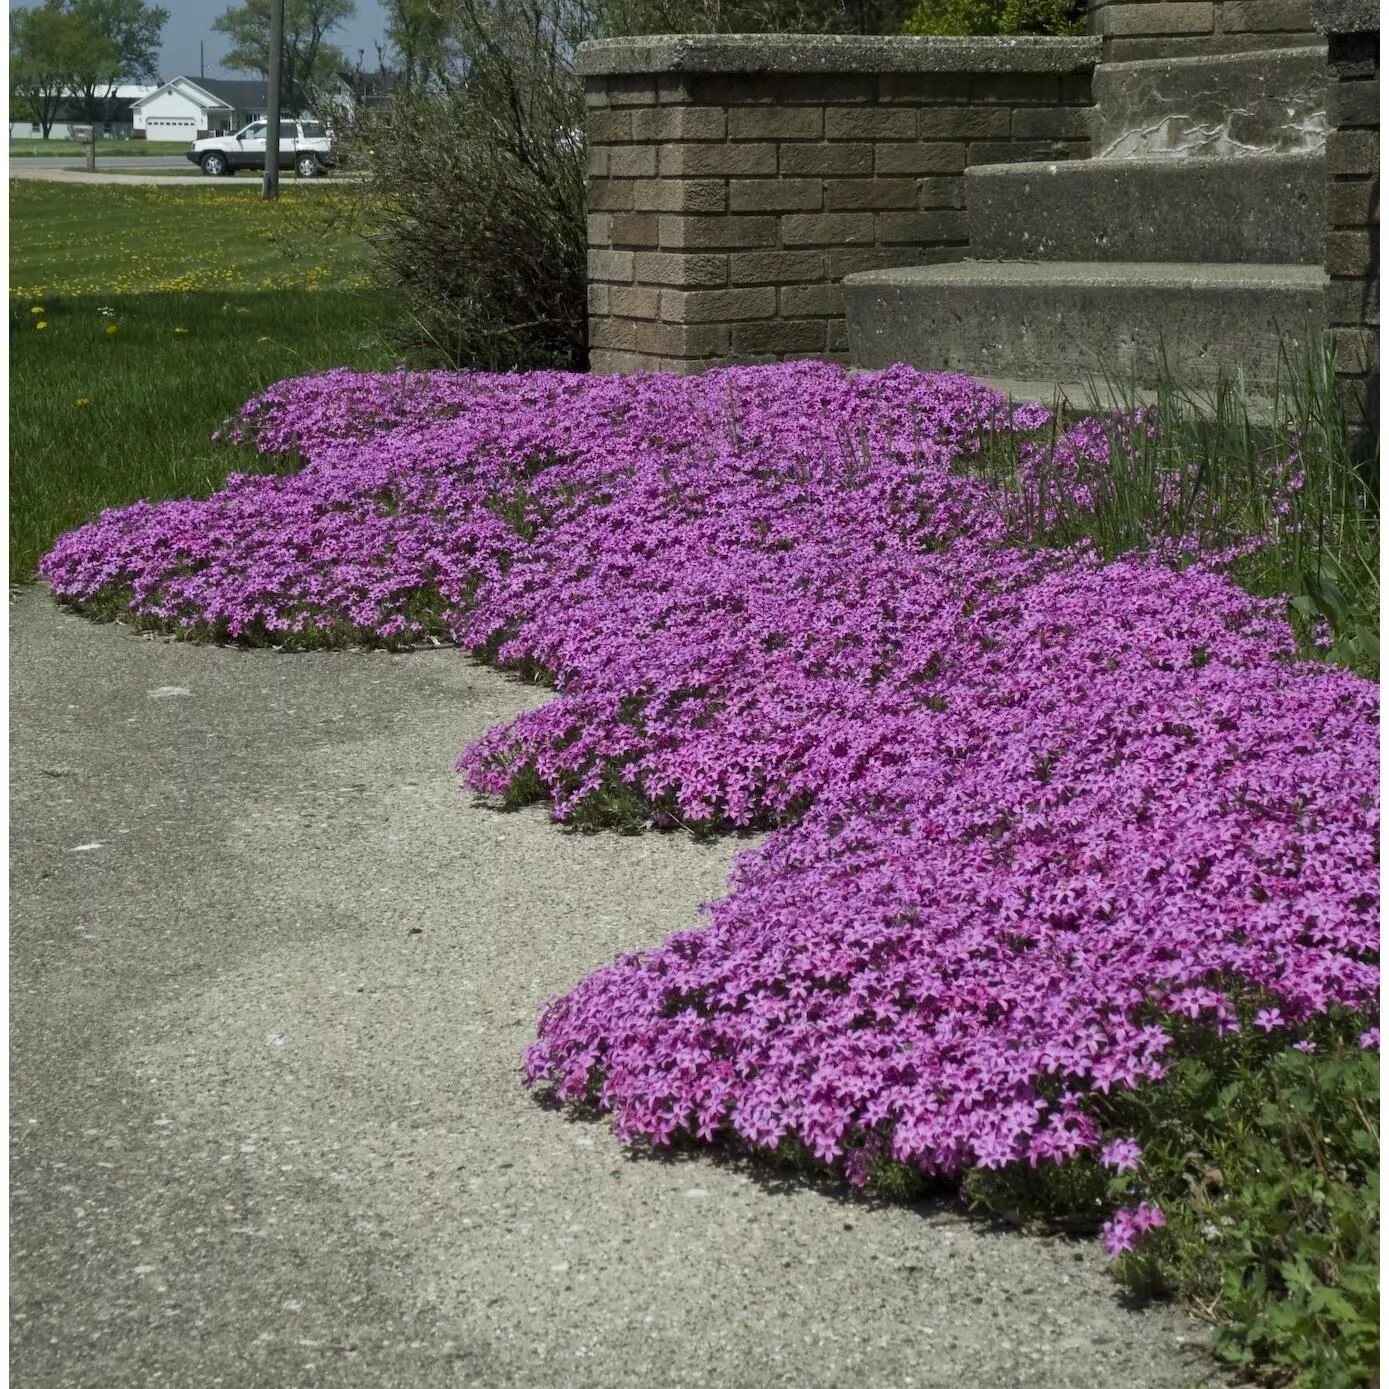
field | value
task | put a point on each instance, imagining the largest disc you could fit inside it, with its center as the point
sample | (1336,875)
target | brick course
(1190,28)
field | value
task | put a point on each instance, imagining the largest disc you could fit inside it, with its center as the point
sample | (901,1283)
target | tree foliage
(1053,17)
(418,33)
(618,17)
(308,61)
(83,49)
(131,32)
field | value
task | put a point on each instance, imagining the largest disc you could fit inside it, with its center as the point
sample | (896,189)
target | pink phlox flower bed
(1028,807)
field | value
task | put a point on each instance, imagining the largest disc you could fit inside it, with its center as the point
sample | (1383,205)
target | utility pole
(270,183)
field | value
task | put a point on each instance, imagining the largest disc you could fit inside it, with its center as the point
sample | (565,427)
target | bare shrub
(474,196)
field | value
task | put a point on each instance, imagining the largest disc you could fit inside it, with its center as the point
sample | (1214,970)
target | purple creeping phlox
(1029,806)
(1129,1225)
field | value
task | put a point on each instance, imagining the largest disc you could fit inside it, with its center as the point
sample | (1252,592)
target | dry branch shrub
(475,192)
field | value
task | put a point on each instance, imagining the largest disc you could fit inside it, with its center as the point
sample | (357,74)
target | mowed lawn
(142,317)
(105,149)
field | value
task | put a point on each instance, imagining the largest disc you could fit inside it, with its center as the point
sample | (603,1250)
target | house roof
(70,111)
(233,94)
(240,94)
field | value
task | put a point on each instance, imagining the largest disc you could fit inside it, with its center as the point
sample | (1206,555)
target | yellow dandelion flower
(180,330)
(262,339)
(112,328)
(83,400)
(42,323)
(37,309)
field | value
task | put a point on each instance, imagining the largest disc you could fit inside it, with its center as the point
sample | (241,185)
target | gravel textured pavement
(271,975)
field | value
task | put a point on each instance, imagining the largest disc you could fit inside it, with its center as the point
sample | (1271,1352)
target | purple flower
(1147,1217)
(1020,798)
(1127,1227)
(1121,1155)
(1119,1236)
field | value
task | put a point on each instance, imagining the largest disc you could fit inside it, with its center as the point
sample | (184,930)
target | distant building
(353,91)
(189,108)
(119,126)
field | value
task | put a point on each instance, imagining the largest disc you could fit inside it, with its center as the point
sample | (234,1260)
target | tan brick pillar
(1352,203)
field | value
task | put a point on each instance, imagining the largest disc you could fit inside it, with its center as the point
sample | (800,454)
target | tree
(998,17)
(131,32)
(418,30)
(614,17)
(308,60)
(47,45)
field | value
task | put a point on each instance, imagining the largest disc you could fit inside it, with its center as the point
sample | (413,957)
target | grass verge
(162,313)
(105,149)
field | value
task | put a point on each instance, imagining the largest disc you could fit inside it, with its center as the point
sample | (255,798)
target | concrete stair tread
(1160,164)
(1073,321)
(1314,50)
(1159,275)
(1076,399)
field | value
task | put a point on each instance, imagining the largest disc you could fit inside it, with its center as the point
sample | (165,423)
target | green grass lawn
(105,149)
(211,300)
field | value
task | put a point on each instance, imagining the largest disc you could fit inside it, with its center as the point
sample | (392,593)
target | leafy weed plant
(1270,488)
(1264,1159)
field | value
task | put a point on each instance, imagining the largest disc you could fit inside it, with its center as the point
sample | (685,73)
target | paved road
(271,975)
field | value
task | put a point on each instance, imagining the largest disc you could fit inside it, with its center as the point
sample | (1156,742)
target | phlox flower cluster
(1129,1225)
(1030,806)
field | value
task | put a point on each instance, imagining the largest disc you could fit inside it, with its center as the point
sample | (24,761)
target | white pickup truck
(304,147)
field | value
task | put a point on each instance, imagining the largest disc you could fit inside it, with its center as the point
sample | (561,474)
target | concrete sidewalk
(271,974)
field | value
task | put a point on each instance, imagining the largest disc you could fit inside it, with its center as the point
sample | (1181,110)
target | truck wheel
(214,164)
(306,166)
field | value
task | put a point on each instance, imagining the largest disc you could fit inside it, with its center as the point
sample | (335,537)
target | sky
(191,21)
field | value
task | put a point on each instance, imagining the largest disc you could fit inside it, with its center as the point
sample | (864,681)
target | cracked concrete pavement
(271,975)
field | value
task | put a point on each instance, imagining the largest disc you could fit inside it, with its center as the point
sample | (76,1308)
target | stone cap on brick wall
(1346,16)
(851,53)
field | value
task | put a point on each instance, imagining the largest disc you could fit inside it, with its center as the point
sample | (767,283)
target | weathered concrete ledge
(852,53)
(1346,16)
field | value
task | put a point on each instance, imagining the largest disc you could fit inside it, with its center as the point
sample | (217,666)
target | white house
(189,108)
(120,127)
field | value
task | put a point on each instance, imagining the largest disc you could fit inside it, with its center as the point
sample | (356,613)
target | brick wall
(1183,28)
(1352,202)
(734,181)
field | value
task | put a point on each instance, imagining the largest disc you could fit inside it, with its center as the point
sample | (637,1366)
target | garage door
(171,128)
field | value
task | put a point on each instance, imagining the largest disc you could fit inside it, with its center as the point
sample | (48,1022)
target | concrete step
(1068,321)
(1261,208)
(1228,104)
